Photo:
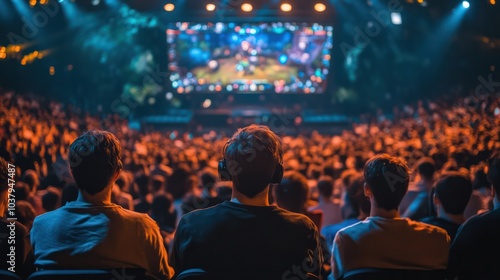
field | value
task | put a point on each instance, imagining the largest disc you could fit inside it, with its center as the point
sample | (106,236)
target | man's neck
(456,219)
(261,199)
(103,197)
(380,212)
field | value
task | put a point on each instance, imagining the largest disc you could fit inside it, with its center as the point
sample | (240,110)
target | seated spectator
(91,232)
(452,193)
(23,255)
(208,197)
(51,199)
(418,197)
(160,168)
(165,215)
(143,203)
(120,194)
(292,195)
(384,240)
(475,252)
(180,185)
(481,199)
(22,191)
(25,213)
(359,205)
(246,237)
(163,212)
(330,207)
(31,179)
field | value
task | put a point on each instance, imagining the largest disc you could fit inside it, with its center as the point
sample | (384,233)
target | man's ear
(367,190)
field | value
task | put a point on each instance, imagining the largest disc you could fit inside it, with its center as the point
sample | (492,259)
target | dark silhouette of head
(426,168)
(325,186)
(292,193)
(388,179)
(95,160)
(453,189)
(254,156)
(355,197)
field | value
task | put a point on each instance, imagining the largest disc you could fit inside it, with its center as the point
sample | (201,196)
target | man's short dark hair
(252,155)
(325,186)
(388,177)
(95,157)
(494,172)
(426,167)
(4,176)
(292,193)
(454,189)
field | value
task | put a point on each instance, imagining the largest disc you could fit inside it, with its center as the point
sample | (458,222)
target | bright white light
(396,18)
(466,4)
(207,103)
(210,7)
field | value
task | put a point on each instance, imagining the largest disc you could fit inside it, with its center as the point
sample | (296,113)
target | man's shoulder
(490,219)
(226,211)
(426,228)
(407,225)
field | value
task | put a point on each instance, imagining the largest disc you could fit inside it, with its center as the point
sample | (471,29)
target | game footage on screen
(249,58)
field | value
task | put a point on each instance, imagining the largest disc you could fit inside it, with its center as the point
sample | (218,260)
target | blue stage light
(465,4)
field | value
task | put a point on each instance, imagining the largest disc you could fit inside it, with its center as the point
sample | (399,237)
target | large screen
(275,57)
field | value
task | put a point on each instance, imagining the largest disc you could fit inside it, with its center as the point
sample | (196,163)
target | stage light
(96,2)
(246,7)
(44,2)
(207,103)
(466,4)
(169,7)
(320,7)
(210,7)
(396,18)
(52,70)
(493,2)
(286,7)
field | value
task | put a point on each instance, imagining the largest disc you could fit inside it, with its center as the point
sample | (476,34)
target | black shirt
(450,227)
(193,202)
(475,253)
(237,241)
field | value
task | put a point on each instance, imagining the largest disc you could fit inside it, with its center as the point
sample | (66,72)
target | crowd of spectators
(167,174)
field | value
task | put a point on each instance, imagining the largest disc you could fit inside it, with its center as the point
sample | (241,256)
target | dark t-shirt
(237,241)
(193,202)
(475,252)
(450,227)
(22,261)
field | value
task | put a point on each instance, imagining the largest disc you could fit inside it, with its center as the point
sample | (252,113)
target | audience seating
(7,275)
(393,274)
(93,274)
